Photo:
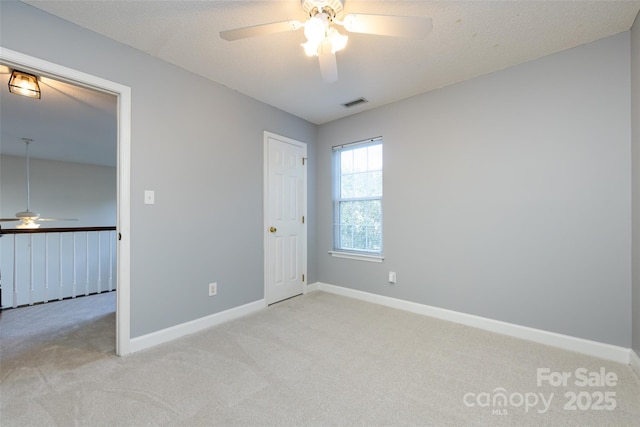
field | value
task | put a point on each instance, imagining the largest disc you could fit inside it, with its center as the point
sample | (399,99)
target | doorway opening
(122,93)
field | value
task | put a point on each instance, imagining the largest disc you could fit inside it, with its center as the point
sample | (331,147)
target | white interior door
(285,222)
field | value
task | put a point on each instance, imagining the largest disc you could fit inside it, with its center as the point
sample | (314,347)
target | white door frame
(266,224)
(123,226)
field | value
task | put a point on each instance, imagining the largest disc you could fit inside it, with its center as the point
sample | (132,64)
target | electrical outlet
(213,289)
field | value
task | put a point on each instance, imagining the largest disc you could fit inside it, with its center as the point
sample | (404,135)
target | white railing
(41,265)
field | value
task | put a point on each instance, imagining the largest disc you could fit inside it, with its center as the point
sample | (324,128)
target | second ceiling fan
(29,218)
(324,39)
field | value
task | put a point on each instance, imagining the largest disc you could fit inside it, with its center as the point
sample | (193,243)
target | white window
(358,197)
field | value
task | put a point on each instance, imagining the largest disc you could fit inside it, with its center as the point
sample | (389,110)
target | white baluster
(86,263)
(111,238)
(99,266)
(46,267)
(60,283)
(15,270)
(73,290)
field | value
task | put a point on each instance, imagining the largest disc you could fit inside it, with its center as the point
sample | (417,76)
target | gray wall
(203,157)
(635,132)
(507,196)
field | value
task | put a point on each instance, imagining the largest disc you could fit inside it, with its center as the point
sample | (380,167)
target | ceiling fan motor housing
(333,8)
(28,214)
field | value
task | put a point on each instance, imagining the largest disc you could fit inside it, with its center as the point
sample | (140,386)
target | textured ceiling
(469,39)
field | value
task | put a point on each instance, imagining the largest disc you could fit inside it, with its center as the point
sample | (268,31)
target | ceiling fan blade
(9,219)
(328,63)
(415,27)
(56,219)
(260,30)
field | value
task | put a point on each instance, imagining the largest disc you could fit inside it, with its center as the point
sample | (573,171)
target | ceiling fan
(323,38)
(29,218)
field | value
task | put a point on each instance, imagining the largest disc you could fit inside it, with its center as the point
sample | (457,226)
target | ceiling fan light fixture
(315,28)
(28,224)
(310,49)
(24,84)
(338,41)
(318,33)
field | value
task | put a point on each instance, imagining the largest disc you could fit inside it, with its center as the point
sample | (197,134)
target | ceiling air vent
(354,103)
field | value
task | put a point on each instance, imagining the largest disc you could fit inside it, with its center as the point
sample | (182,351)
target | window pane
(375,157)
(360,159)
(366,184)
(360,185)
(346,162)
(347,187)
(360,225)
(374,184)
(346,237)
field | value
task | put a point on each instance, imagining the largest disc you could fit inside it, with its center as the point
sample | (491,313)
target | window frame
(340,252)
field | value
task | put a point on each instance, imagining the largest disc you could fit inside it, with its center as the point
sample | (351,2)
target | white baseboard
(169,334)
(566,342)
(634,361)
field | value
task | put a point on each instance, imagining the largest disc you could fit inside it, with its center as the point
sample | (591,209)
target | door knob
(273,229)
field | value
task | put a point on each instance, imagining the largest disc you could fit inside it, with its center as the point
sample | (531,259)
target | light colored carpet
(315,360)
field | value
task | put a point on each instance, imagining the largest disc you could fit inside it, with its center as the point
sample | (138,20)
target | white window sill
(357,256)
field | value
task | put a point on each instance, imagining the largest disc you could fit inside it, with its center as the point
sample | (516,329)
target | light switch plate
(149,197)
